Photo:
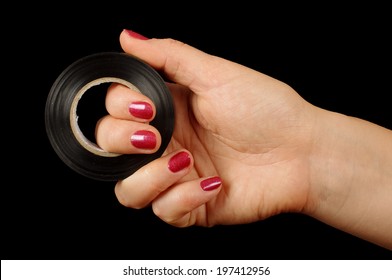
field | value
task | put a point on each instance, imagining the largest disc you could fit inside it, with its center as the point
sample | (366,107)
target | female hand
(240,145)
(245,147)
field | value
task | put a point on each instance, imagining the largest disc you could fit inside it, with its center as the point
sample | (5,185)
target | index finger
(123,103)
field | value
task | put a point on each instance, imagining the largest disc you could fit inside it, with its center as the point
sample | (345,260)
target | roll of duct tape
(61,115)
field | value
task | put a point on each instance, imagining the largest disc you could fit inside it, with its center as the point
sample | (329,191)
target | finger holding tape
(124,103)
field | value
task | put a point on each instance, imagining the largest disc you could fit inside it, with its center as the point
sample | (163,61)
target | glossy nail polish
(135,35)
(142,110)
(144,139)
(210,184)
(179,161)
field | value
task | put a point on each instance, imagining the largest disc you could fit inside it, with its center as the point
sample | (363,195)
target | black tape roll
(61,119)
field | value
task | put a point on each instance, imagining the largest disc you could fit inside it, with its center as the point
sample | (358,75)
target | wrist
(351,177)
(329,164)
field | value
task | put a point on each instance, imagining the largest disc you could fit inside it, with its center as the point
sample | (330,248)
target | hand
(240,131)
(245,147)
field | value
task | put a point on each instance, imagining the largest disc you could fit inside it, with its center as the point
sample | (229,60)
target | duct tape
(61,114)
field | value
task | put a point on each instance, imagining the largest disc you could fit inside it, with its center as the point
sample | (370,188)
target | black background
(337,58)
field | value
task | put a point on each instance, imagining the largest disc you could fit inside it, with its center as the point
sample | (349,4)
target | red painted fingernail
(179,161)
(141,110)
(135,35)
(144,139)
(210,184)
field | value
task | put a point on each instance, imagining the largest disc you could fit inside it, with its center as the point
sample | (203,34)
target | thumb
(181,63)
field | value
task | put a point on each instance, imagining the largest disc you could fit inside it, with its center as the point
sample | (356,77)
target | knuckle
(127,201)
(162,214)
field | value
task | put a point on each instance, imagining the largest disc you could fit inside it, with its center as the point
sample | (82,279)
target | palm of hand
(263,167)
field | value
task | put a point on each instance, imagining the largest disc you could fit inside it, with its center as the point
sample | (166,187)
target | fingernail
(144,139)
(141,110)
(179,161)
(135,35)
(210,184)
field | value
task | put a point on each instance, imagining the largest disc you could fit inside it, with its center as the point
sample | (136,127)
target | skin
(273,151)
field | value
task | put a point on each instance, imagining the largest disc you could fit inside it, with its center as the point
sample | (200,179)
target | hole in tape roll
(87,108)
(91,108)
